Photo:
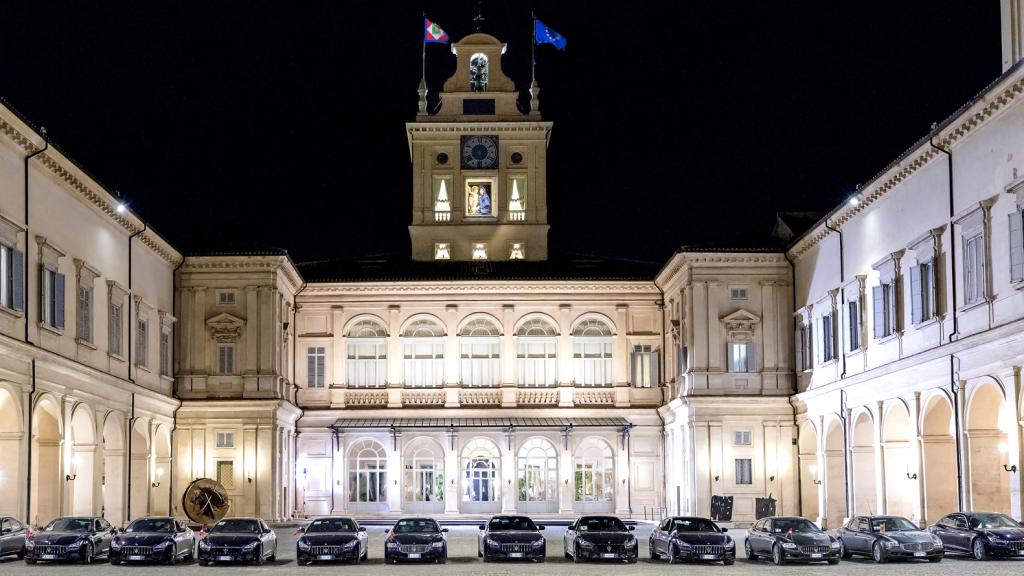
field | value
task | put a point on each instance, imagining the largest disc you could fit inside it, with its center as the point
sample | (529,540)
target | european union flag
(544,34)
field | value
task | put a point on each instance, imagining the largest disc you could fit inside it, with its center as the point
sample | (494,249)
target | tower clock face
(479,152)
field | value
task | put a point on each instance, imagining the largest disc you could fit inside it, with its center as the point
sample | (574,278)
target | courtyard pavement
(463,562)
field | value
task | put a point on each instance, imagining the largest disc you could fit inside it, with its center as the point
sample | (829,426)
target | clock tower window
(480,198)
(442,204)
(478,69)
(517,198)
(479,251)
(442,251)
(517,251)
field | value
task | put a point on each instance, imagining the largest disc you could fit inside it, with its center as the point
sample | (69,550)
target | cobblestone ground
(463,561)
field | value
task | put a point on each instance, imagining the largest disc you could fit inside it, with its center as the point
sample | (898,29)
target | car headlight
(835,544)
(162,545)
(249,547)
(30,544)
(204,545)
(302,544)
(631,542)
(936,541)
(730,544)
(890,543)
(75,544)
(585,544)
(537,543)
(789,545)
(438,544)
(350,545)
(993,537)
(391,545)
(492,543)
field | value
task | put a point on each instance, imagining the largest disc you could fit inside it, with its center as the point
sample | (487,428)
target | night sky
(227,125)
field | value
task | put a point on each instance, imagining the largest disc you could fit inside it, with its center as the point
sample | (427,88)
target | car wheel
(833,561)
(729,561)
(366,554)
(778,556)
(749,551)
(273,556)
(935,559)
(260,560)
(87,554)
(979,549)
(576,554)
(172,557)
(654,555)
(876,554)
(673,554)
(846,555)
(202,562)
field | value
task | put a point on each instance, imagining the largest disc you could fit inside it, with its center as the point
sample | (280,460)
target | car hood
(425,538)
(515,536)
(1006,533)
(143,538)
(910,537)
(330,538)
(230,539)
(59,538)
(808,538)
(605,537)
(697,538)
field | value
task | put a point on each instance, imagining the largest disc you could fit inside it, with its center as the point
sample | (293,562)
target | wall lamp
(771,478)
(155,484)
(911,476)
(816,482)
(249,479)
(1010,468)
(70,477)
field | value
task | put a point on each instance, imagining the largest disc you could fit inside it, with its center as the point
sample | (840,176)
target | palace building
(864,361)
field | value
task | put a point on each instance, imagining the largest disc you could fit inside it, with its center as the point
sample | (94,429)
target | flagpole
(533,50)
(424,50)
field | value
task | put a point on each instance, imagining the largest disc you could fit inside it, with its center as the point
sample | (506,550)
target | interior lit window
(516,200)
(478,72)
(479,251)
(442,251)
(442,205)
(517,251)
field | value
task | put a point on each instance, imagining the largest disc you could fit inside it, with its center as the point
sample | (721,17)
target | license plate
(225,558)
(415,555)
(920,554)
(817,555)
(515,554)
(709,556)
(1020,552)
(325,557)
(49,556)
(609,555)
(136,557)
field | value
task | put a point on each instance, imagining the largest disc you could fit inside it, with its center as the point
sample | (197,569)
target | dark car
(74,538)
(791,539)
(330,539)
(238,540)
(687,538)
(980,534)
(600,538)
(153,539)
(885,538)
(12,537)
(416,539)
(510,538)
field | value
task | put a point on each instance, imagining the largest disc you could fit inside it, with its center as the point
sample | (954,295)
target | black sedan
(510,538)
(12,537)
(330,539)
(153,539)
(416,539)
(981,534)
(791,539)
(75,538)
(884,538)
(238,540)
(600,538)
(683,538)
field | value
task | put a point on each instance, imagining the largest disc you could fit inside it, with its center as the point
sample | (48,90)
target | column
(394,481)
(565,361)
(509,394)
(451,474)
(395,351)
(880,489)
(699,352)
(715,348)
(339,349)
(769,332)
(566,474)
(622,476)
(199,339)
(338,499)
(251,330)
(788,470)
(620,349)
(508,473)
(917,458)
(1014,443)
(961,408)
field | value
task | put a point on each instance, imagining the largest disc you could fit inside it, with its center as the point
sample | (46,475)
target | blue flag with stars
(544,34)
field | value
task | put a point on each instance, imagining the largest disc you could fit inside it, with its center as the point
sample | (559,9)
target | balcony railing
(517,216)
(444,216)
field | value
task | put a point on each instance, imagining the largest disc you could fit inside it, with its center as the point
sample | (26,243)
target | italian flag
(433,33)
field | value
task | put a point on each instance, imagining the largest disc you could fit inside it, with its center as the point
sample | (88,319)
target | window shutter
(59,304)
(310,368)
(916,295)
(655,365)
(878,311)
(18,272)
(799,347)
(982,280)
(321,369)
(750,357)
(1016,247)
(730,356)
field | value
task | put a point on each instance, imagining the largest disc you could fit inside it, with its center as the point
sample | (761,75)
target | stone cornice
(467,127)
(435,288)
(242,264)
(1006,91)
(681,260)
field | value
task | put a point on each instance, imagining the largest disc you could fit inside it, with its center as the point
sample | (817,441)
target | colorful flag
(544,34)
(433,33)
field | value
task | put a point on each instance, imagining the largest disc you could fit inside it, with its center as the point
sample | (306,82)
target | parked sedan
(153,539)
(331,538)
(600,538)
(416,539)
(238,540)
(682,538)
(12,537)
(791,539)
(885,538)
(981,534)
(510,538)
(75,538)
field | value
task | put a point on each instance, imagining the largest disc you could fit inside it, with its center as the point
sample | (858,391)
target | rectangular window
(645,367)
(738,293)
(828,337)
(367,362)
(225,439)
(803,346)
(536,361)
(226,298)
(142,343)
(884,309)
(742,438)
(114,329)
(226,474)
(974,269)
(316,365)
(592,361)
(479,251)
(12,278)
(517,198)
(423,362)
(225,359)
(1016,247)
(853,325)
(922,292)
(442,251)
(744,471)
(84,313)
(165,353)
(741,357)
(52,301)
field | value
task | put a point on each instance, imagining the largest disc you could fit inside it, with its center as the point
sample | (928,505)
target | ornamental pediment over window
(225,327)
(740,325)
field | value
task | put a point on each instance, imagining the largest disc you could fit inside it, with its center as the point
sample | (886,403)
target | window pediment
(740,325)
(225,327)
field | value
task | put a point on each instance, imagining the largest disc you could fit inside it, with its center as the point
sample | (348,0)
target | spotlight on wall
(1010,467)
(249,479)
(70,477)
(854,201)
(155,484)
(771,478)
(816,482)
(911,476)
(716,478)
(566,481)
(121,208)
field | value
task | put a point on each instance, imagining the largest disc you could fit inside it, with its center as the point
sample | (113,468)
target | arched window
(367,360)
(424,476)
(480,465)
(594,465)
(423,344)
(536,353)
(478,71)
(592,353)
(480,351)
(367,472)
(538,471)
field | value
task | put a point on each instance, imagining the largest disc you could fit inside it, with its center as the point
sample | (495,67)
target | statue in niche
(478,199)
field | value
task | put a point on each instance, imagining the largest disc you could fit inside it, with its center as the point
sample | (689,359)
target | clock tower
(479,165)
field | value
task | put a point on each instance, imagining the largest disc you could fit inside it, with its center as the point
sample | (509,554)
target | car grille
(1018,545)
(50,549)
(325,550)
(814,549)
(413,548)
(506,548)
(226,550)
(708,549)
(136,550)
(918,547)
(606,548)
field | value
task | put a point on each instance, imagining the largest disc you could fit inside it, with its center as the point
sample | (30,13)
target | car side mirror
(631,528)
(723,529)
(301,530)
(540,526)
(482,527)
(444,529)
(361,529)
(5,531)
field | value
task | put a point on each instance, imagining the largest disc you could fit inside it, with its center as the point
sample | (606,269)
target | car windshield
(793,524)
(601,524)
(986,521)
(416,526)
(69,525)
(501,523)
(151,525)
(332,525)
(237,526)
(693,525)
(893,525)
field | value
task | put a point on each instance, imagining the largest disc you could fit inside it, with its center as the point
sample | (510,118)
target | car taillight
(202,533)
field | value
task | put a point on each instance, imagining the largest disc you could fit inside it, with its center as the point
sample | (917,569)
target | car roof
(691,518)
(333,518)
(406,519)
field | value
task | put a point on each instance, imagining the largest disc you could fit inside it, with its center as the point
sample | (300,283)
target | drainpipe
(131,429)
(174,387)
(796,425)
(24,277)
(957,434)
(131,421)
(842,277)
(25,273)
(28,477)
(846,450)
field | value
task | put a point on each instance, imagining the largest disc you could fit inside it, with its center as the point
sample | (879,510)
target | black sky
(228,124)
